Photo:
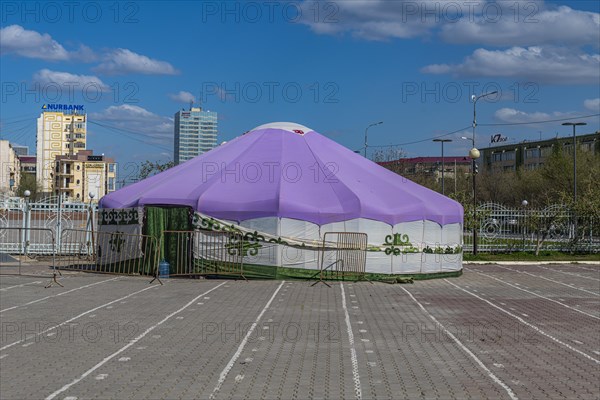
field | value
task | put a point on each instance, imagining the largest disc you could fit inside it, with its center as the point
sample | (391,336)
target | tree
(390,154)
(28,182)
(149,168)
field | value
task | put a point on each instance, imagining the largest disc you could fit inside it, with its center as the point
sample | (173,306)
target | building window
(509,155)
(532,153)
(111,167)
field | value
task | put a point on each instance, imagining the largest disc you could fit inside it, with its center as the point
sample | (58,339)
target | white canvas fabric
(408,239)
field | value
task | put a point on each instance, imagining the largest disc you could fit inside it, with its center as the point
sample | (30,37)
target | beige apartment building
(78,175)
(10,168)
(59,133)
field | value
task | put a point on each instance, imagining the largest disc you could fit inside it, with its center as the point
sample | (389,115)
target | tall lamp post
(442,141)
(574,124)
(366,131)
(474,154)
(91,222)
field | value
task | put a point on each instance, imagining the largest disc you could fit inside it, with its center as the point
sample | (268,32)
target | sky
(334,66)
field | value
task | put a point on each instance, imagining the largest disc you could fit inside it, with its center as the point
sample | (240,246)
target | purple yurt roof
(287,170)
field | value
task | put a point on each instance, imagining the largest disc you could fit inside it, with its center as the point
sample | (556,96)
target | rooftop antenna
(191,104)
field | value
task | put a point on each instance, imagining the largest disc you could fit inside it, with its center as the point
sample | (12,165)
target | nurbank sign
(63,107)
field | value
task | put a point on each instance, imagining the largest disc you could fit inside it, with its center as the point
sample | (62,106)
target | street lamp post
(366,131)
(91,223)
(474,154)
(574,124)
(442,141)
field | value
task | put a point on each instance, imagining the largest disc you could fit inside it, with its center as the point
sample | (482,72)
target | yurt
(289,185)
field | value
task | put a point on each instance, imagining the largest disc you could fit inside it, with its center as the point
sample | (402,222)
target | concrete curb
(530,262)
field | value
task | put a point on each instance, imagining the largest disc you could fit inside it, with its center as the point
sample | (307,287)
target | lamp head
(474,153)
(524,203)
(27,193)
(92,195)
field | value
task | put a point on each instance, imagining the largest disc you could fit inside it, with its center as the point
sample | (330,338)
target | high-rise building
(195,133)
(58,133)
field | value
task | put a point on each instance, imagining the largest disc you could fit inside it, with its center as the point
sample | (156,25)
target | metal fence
(202,253)
(554,228)
(343,255)
(22,240)
(108,252)
(50,214)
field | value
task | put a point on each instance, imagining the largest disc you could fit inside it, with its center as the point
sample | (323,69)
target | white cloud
(66,79)
(84,54)
(31,44)
(510,115)
(552,65)
(592,104)
(124,61)
(497,23)
(525,24)
(182,97)
(124,112)
(137,122)
(371,19)
(14,39)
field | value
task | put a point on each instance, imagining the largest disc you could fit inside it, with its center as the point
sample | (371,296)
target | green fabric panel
(160,219)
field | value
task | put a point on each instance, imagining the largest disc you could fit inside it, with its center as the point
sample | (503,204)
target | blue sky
(333,66)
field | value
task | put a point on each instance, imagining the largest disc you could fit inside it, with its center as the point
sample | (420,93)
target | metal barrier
(49,213)
(554,228)
(202,253)
(20,240)
(108,252)
(345,254)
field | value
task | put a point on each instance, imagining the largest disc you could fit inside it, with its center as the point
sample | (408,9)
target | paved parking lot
(498,331)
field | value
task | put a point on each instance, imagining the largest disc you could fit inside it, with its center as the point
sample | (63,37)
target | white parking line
(74,318)
(16,286)
(587,269)
(535,294)
(231,362)
(551,280)
(59,294)
(568,273)
(465,349)
(131,343)
(538,330)
(356,376)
